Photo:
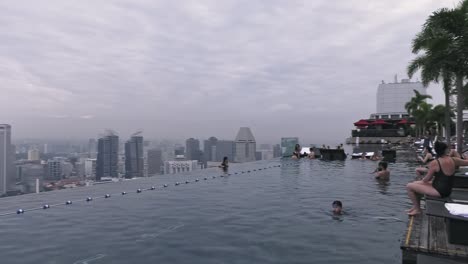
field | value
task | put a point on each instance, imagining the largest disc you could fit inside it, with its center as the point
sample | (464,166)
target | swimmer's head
(383,165)
(337,207)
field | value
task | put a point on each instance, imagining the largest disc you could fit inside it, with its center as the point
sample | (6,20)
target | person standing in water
(225,163)
(382,173)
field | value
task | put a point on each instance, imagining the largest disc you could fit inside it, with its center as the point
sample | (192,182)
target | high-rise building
(392,97)
(92,148)
(192,149)
(55,169)
(287,145)
(33,154)
(225,148)
(155,162)
(258,155)
(90,168)
(209,149)
(7,170)
(276,151)
(246,146)
(134,160)
(108,157)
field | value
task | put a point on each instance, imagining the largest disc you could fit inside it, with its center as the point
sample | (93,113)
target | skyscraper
(92,148)
(108,156)
(209,149)
(155,161)
(33,154)
(7,175)
(134,160)
(276,151)
(55,169)
(246,147)
(192,149)
(225,148)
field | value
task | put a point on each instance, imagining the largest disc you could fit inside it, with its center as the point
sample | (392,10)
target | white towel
(457,209)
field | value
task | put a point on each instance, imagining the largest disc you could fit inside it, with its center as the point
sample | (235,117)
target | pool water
(273,215)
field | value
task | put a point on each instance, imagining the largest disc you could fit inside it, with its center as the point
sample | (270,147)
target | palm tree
(422,116)
(416,101)
(437,115)
(414,108)
(444,41)
(433,71)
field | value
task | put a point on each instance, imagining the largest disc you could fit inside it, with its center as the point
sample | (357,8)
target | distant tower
(245,145)
(134,159)
(209,149)
(108,156)
(33,154)
(155,162)
(92,148)
(7,175)
(192,149)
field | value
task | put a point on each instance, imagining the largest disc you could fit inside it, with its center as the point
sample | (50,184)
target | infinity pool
(273,215)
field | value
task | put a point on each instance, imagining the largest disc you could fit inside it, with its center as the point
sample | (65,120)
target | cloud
(144,63)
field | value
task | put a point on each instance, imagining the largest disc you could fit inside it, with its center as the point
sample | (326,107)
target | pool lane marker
(90,199)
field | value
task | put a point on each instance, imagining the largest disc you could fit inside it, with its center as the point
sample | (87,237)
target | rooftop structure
(392,97)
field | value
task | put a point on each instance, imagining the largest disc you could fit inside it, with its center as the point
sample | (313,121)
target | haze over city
(180,69)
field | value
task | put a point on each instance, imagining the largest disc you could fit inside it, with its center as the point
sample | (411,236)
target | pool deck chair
(332,154)
(456,226)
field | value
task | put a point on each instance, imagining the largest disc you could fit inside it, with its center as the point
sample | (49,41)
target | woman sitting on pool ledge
(438,181)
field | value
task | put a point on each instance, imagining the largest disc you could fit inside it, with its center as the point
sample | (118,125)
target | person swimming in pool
(312,153)
(438,181)
(382,173)
(337,207)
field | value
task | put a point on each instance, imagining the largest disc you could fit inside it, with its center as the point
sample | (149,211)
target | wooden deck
(426,235)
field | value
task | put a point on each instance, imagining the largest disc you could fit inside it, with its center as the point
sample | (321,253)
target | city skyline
(214,70)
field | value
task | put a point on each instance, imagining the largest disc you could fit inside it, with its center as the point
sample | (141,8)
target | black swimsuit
(442,183)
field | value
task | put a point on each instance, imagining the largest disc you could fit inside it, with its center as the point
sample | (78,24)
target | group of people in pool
(297,153)
(436,179)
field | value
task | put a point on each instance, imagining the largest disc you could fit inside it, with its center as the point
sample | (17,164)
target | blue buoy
(153,188)
(20,211)
(107,196)
(46,206)
(124,193)
(165,185)
(89,199)
(139,191)
(68,202)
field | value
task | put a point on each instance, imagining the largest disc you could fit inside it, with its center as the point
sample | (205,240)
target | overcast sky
(180,69)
